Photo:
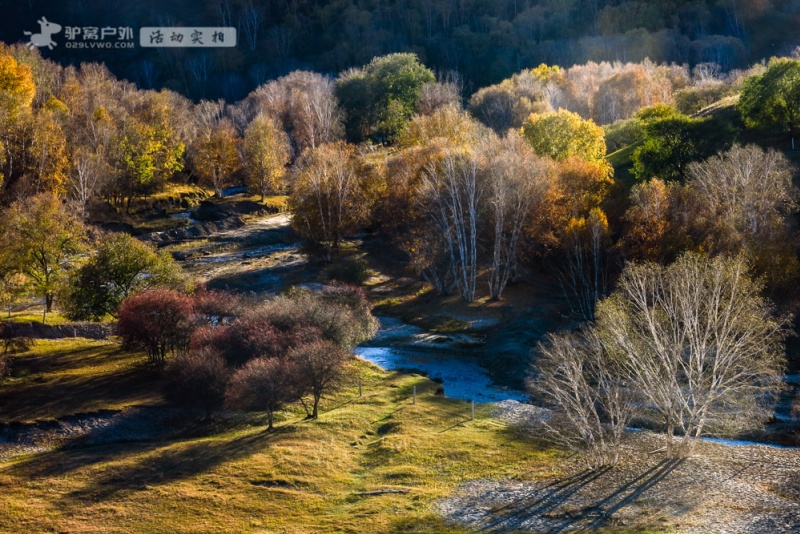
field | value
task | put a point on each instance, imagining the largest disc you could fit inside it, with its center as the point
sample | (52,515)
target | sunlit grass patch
(307,476)
(32,315)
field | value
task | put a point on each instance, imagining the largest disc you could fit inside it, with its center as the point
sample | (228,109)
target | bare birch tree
(697,341)
(517,183)
(85,178)
(582,385)
(446,91)
(582,270)
(453,190)
(747,186)
(304,104)
(328,198)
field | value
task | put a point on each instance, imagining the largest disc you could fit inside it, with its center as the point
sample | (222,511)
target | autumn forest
(213,261)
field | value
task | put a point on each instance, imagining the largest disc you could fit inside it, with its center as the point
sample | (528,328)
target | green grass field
(306,476)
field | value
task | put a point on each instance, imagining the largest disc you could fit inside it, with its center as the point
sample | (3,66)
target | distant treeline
(485,40)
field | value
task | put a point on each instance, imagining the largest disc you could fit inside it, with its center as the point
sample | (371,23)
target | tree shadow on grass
(70,394)
(169,463)
(68,459)
(115,435)
(123,468)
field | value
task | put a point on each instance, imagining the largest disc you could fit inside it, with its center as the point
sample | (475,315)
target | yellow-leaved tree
(17,90)
(562,134)
(330,196)
(266,154)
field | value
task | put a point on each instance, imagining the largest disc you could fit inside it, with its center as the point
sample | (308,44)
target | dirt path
(724,489)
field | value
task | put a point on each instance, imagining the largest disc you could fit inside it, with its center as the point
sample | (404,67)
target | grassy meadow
(231,475)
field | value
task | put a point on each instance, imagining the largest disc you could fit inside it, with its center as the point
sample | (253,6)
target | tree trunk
(315,412)
(670,431)
(269,420)
(48,299)
(305,407)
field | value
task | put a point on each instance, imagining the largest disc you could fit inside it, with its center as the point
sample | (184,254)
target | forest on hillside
(484,40)
(468,194)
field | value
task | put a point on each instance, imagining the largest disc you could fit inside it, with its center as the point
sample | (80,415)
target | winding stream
(400,346)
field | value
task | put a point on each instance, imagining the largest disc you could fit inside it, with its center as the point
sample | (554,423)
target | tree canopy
(772,99)
(563,134)
(120,266)
(381,97)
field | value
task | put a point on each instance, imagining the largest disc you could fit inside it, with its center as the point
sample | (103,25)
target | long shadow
(67,459)
(637,487)
(75,394)
(173,462)
(552,496)
(462,422)
(558,493)
(126,433)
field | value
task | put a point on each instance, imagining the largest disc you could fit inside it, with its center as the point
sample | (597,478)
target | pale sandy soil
(724,489)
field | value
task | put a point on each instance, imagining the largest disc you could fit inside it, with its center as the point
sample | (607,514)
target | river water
(399,346)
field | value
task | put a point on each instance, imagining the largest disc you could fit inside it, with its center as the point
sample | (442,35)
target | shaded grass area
(64,377)
(622,161)
(32,315)
(307,476)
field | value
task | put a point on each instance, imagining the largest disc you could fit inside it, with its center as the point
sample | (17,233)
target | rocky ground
(138,423)
(720,488)
(263,255)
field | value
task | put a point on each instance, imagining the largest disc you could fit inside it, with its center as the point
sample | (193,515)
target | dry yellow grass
(305,476)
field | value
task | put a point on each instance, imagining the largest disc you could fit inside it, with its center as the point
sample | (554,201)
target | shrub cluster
(246,355)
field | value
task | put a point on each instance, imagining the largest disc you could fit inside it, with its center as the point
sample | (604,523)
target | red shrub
(319,366)
(252,337)
(159,321)
(217,306)
(263,384)
(197,378)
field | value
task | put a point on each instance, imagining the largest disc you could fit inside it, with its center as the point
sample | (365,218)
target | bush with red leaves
(217,307)
(159,321)
(197,378)
(263,384)
(319,366)
(252,337)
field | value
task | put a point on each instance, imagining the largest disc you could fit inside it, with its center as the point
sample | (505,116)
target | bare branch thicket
(518,181)
(85,179)
(583,386)
(304,104)
(747,187)
(583,267)
(453,189)
(697,341)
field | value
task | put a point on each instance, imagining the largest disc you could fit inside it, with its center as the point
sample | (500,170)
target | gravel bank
(752,488)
